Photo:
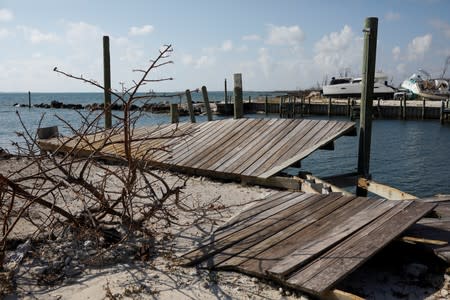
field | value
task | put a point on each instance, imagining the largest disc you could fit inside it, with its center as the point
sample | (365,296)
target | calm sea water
(412,156)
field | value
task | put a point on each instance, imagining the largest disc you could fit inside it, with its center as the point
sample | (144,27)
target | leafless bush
(74,191)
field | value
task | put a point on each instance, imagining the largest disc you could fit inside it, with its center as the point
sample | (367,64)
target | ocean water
(411,155)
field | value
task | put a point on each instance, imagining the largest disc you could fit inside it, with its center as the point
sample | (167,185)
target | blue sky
(276,45)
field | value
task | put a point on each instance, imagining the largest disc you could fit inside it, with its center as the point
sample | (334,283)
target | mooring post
(423,109)
(404,109)
(238,100)
(302,100)
(281,106)
(309,106)
(206,101)
(266,105)
(225,92)
(174,115)
(365,118)
(107,82)
(441,119)
(29,99)
(190,106)
(400,114)
(329,107)
(348,106)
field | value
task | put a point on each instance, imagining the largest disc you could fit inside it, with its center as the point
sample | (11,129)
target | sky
(275,45)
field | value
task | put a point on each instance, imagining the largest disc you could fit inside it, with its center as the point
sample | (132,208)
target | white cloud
(419,46)
(35,36)
(283,35)
(4,33)
(80,33)
(251,37)
(396,52)
(146,29)
(338,50)
(392,16)
(227,46)
(202,61)
(133,54)
(265,61)
(205,61)
(442,26)
(187,59)
(6,15)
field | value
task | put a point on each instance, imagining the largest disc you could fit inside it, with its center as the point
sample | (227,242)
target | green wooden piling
(368,72)
(190,106)
(174,115)
(206,101)
(238,100)
(107,82)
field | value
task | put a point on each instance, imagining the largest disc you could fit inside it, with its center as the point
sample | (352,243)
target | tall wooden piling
(441,114)
(404,109)
(174,115)
(238,99)
(29,99)
(107,82)
(368,72)
(190,106)
(206,101)
(302,103)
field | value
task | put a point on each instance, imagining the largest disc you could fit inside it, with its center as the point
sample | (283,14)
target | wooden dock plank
(268,150)
(265,137)
(231,146)
(264,239)
(262,160)
(265,260)
(359,247)
(227,237)
(328,237)
(295,154)
(239,147)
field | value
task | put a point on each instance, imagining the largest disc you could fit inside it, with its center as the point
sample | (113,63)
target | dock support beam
(107,82)
(190,106)
(206,101)
(174,115)
(368,71)
(238,97)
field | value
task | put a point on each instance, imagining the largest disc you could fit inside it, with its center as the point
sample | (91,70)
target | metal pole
(368,71)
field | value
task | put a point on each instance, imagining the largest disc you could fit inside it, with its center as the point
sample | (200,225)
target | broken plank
(333,235)
(384,191)
(327,270)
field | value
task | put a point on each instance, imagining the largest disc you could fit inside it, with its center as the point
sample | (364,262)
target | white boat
(432,89)
(351,87)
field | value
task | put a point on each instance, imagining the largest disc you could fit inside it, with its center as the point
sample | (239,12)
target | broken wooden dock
(230,149)
(305,241)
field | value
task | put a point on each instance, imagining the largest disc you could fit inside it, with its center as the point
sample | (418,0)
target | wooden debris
(306,241)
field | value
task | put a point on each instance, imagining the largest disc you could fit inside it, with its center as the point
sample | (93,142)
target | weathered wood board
(306,241)
(228,148)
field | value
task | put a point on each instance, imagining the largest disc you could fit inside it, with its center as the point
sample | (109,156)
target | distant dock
(292,107)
